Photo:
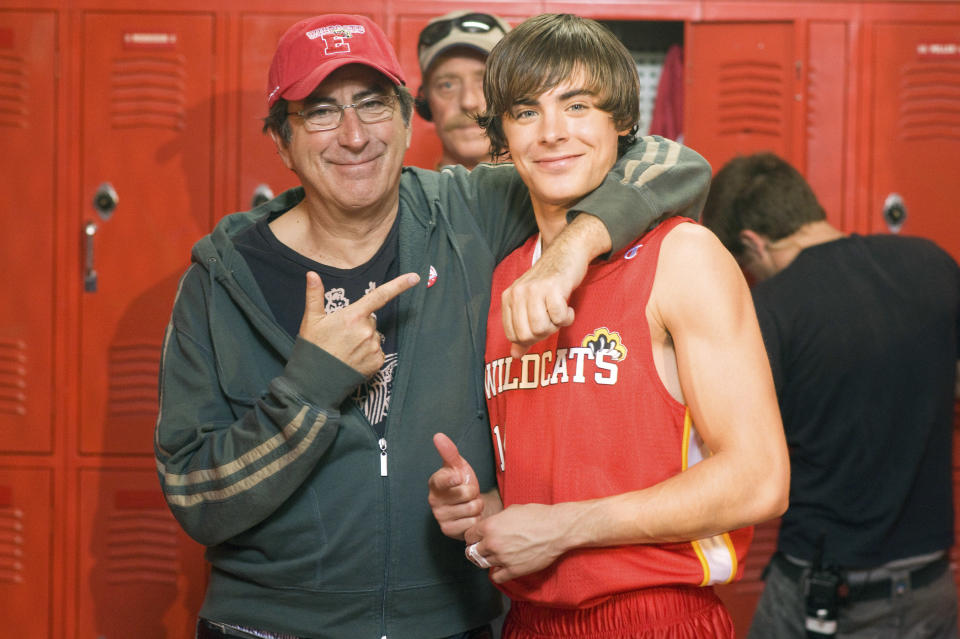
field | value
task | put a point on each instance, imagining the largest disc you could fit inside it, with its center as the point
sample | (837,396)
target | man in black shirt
(862,336)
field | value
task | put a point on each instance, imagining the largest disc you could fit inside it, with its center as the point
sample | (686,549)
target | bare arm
(535,305)
(701,299)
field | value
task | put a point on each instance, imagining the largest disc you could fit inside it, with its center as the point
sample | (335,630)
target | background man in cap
(301,386)
(453,51)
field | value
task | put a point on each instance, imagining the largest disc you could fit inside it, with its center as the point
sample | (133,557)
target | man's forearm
(535,305)
(586,236)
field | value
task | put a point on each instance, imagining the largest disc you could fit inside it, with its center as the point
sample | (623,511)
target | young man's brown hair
(553,48)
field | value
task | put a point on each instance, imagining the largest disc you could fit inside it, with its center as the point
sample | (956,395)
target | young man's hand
(535,305)
(523,538)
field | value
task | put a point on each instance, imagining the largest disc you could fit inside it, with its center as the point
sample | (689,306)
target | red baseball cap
(313,48)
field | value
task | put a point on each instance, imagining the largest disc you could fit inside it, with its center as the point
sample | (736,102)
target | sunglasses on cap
(470,23)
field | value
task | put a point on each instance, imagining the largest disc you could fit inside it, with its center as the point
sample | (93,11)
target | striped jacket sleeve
(655,178)
(224,470)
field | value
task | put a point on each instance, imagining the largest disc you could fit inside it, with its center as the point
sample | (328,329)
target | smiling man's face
(561,143)
(356,165)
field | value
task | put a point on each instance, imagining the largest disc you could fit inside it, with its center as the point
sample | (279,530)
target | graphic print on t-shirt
(373,396)
(280,271)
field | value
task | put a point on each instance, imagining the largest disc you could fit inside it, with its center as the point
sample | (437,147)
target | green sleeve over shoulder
(654,179)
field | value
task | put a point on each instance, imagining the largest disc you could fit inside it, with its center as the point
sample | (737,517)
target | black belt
(210,630)
(874,589)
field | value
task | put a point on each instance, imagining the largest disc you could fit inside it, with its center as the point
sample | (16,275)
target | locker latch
(105,200)
(894,212)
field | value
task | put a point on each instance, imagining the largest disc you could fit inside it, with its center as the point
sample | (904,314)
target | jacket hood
(218,245)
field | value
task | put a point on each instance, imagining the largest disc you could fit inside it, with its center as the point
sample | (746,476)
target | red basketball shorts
(682,612)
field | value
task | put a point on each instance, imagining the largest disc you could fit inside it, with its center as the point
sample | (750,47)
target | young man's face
(454,91)
(561,143)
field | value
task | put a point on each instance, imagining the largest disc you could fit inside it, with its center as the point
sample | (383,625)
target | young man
(453,51)
(629,443)
(297,411)
(863,335)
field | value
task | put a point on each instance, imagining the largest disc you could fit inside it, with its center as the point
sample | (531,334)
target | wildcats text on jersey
(596,359)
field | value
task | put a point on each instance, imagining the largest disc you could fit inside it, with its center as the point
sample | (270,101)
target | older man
(300,384)
(452,50)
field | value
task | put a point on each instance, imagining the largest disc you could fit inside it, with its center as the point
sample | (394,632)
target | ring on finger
(474,555)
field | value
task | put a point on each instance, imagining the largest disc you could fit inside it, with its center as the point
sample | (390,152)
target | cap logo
(334,36)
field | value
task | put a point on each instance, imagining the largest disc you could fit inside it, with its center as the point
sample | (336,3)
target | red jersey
(585,415)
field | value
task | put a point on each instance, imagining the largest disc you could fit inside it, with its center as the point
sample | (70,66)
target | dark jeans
(207,630)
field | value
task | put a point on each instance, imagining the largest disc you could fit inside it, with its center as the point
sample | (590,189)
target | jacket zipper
(386,526)
(383,456)
(395,409)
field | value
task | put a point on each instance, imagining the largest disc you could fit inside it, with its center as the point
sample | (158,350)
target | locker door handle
(90,272)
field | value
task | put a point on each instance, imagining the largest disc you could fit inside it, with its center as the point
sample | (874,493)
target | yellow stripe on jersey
(717,556)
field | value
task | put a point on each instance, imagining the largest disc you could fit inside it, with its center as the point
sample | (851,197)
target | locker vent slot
(13,91)
(149,91)
(13,377)
(751,98)
(11,546)
(134,369)
(818,106)
(929,101)
(141,547)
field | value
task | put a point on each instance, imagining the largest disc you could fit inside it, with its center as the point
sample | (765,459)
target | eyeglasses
(470,23)
(324,117)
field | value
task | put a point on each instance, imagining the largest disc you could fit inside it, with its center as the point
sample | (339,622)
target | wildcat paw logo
(603,340)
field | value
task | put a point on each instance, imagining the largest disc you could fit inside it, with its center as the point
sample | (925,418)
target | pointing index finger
(378,297)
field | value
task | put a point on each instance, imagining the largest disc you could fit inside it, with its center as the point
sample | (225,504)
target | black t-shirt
(281,273)
(862,335)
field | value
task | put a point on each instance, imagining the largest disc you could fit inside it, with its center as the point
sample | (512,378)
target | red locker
(825,123)
(28,53)
(26,521)
(741,95)
(260,166)
(146,141)
(915,132)
(140,575)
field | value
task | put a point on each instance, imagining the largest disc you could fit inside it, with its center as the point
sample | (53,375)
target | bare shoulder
(694,247)
(696,271)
